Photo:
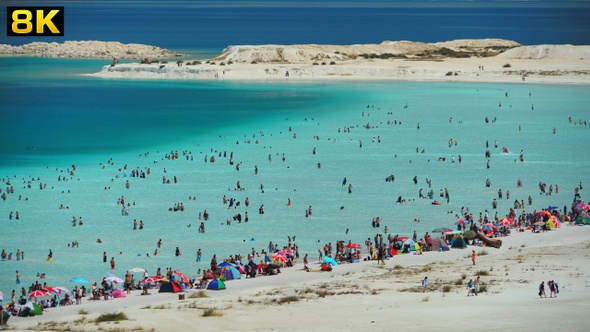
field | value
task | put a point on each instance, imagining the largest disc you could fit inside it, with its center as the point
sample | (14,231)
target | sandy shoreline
(456,61)
(365,296)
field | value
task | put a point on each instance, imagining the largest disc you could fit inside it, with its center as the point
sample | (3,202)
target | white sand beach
(364,296)
(486,60)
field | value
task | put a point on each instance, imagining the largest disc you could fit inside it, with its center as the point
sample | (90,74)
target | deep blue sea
(217,24)
(53,117)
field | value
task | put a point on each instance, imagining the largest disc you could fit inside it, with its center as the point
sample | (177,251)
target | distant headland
(88,49)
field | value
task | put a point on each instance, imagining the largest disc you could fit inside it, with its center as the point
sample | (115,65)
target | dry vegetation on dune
(386,50)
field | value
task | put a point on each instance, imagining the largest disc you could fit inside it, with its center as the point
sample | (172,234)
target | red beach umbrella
(39,293)
(151,280)
(52,289)
(280,258)
(506,221)
(354,246)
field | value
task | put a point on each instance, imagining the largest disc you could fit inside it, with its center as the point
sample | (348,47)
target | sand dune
(553,52)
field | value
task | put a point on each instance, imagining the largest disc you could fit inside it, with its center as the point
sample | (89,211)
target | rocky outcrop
(88,49)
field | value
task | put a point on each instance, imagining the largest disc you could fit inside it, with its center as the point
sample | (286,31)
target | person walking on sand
(425,285)
(470,289)
(473,256)
(551,285)
(476,286)
(542,290)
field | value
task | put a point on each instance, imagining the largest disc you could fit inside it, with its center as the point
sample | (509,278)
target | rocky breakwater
(88,49)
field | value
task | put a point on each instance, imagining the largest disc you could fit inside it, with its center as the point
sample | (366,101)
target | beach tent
(118,293)
(216,284)
(469,234)
(169,287)
(34,309)
(232,273)
(439,244)
(225,264)
(459,243)
(582,221)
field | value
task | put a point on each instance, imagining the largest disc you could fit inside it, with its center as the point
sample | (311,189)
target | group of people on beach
(553,289)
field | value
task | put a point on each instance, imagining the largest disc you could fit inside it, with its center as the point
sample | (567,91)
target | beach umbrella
(39,293)
(487,227)
(402,238)
(115,280)
(63,289)
(151,280)
(137,270)
(52,289)
(460,222)
(182,276)
(280,258)
(506,221)
(441,229)
(580,206)
(225,264)
(232,273)
(285,252)
(79,280)
(354,246)
(216,284)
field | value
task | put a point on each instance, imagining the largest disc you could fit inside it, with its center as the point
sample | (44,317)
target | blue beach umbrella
(328,259)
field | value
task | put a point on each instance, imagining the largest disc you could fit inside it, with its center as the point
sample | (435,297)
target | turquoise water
(53,118)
